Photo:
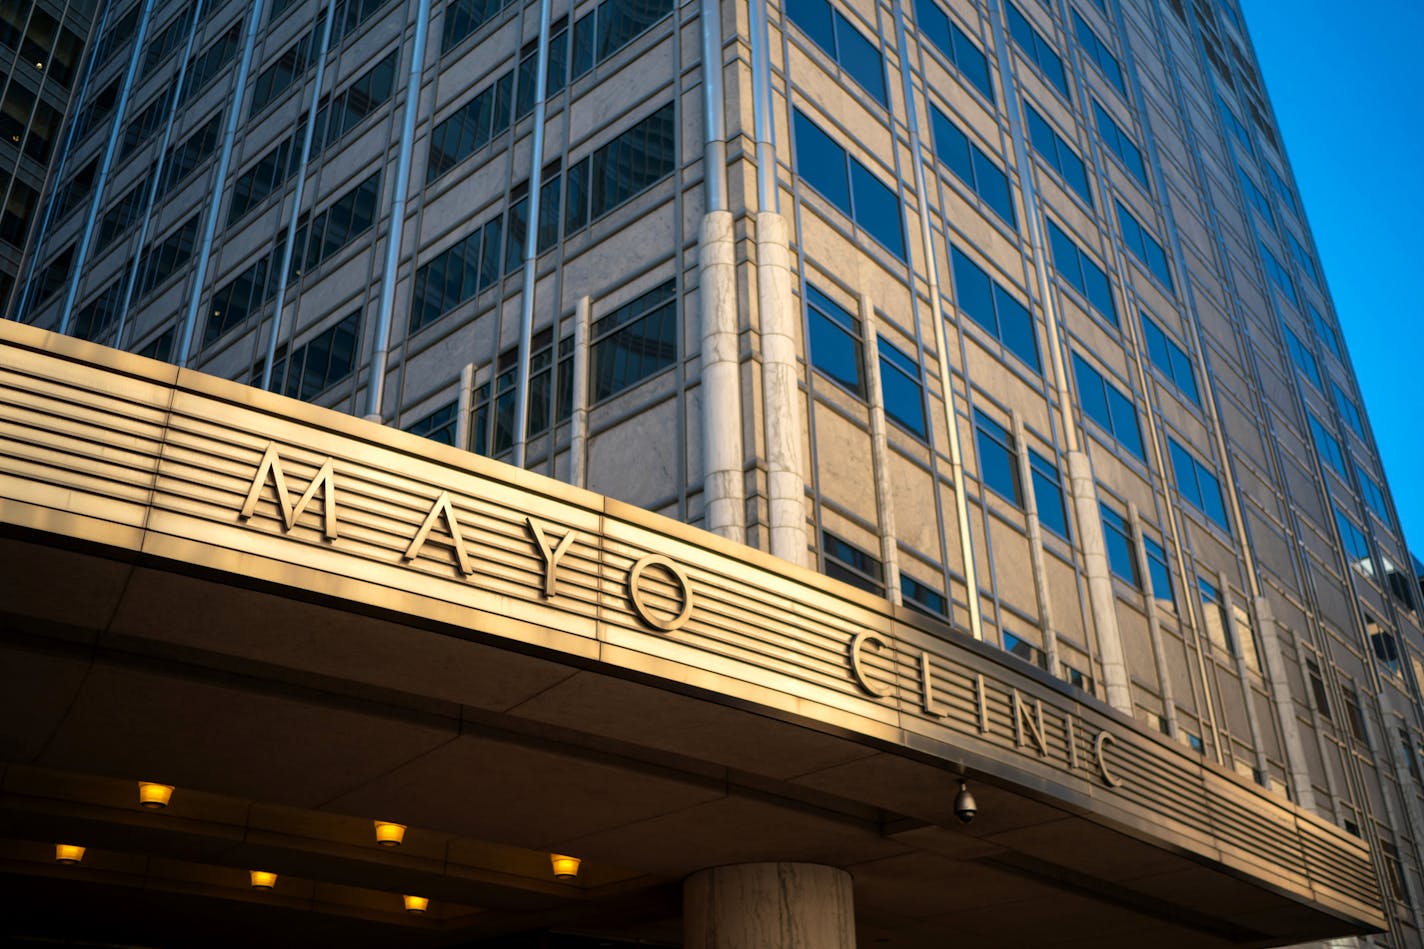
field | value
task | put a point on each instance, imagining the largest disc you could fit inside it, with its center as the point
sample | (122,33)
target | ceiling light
(415,905)
(388,834)
(153,796)
(565,867)
(263,880)
(68,853)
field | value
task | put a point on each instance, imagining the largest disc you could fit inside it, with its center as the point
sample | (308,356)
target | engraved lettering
(980,703)
(1029,726)
(857,662)
(441,506)
(291,513)
(640,606)
(1070,734)
(1099,747)
(551,556)
(927,696)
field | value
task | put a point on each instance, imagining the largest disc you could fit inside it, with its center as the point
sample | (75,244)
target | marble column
(768,906)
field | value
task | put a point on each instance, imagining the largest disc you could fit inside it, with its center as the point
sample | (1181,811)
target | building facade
(1005,313)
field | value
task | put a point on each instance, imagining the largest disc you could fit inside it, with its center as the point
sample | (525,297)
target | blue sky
(1347,83)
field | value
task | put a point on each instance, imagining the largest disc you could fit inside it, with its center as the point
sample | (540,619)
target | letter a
(442,505)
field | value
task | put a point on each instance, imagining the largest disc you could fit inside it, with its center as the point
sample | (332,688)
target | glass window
(1372,493)
(235,301)
(1303,258)
(955,44)
(349,107)
(1039,51)
(278,77)
(1160,573)
(457,274)
(834,340)
(1117,537)
(321,362)
(1278,274)
(922,597)
(848,184)
(182,160)
(257,184)
(634,342)
(1256,197)
(1099,53)
(1326,331)
(1081,273)
(1303,358)
(1197,484)
(439,425)
(95,317)
(1218,629)
(165,257)
(845,561)
(1327,445)
(470,127)
(998,458)
(972,165)
(1317,688)
(1170,359)
(464,17)
(902,390)
(211,62)
(1108,405)
(339,224)
(1357,548)
(1048,493)
(993,307)
(1025,650)
(1143,246)
(1120,144)
(831,31)
(1058,153)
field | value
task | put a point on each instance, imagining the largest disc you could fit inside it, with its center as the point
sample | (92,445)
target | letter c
(857,662)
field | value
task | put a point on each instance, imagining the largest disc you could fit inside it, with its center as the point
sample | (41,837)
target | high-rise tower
(1005,312)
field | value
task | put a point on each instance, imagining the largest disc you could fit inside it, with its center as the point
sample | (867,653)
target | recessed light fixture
(389,834)
(263,880)
(415,905)
(565,867)
(68,854)
(153,796)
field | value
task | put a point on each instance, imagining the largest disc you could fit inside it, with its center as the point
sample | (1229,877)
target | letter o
(635,594)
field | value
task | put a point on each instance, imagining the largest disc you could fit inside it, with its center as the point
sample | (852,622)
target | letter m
(272,463)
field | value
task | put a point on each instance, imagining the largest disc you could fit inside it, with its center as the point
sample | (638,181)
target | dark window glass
(349,107)
(1372,493)
(1058,153)
(1170,359)
(54,276)
(438,426)
(1099,53)
(457,274)
(1143,246)
(1327,445)
(1326,330)
(1218,628)
(831,31)
(322,362)
(235,301)
(1081,273)
(1048,493)
(464,17)
(990,305)
(1278,274)
(185,158)
(341,222)
(257,183)
(619,22)
(96,108)
(165,257)
(278,77)
(1161,574)
(922,597)
(1118,540)
(166,41)
(148,121)
(1357,547)
(849,185)
(211,62)
(1197,483)
(634,342)
(1120,144)
(160,348)
(834,340)
(121,215)
(632,162)
(350,14)
(902,390)
(470,127)
(15,216)
(1108,405)
(1303,358)
(845,561)
(115,34)
(972,165)
(998,460)
(955,44)
(1317,688)
(1025,650)
(93,319)
(1039,51)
